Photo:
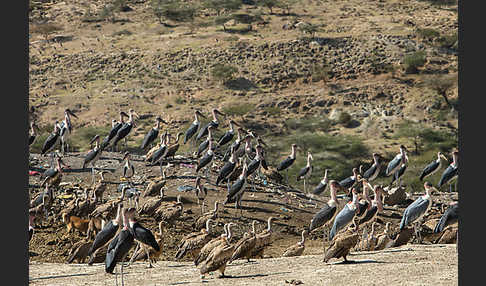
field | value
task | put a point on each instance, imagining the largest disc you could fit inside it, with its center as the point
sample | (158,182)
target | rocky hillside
(350,77)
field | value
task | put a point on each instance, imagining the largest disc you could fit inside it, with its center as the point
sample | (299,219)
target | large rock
(394,196)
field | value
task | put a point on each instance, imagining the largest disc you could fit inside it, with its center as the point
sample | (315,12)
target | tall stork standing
(66,129)
(215,123)
(206,159)
(328,211)
(450,173)
(235,192)
(119,247)
(397,176)
(235,145)
(349,181)
(417,210)
(152,134)
(115,126)
(433,167)
(397,162)
(201,193)
(128,168)
(93,155)
(255,164)
(285,164)
(228,135)
(194,127)
(125,129)
(157,155)
(32,135)
(107,232)
(345,216)
(204,145)
(51,141)
(376,204)
(305,172)
(375,169)
(228,167)
(141,234)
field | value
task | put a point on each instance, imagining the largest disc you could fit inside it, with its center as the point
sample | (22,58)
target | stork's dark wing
(149,138)
(322,216)
(285,163)
(190,132)
(144,235)
(413,211)
(450,216)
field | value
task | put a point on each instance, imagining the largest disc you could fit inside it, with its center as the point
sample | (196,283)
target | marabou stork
(153,133)
(125,129)
(305,172)
(328,211)
(375,169)
(235,145)
(376,204)
(228,135)
(206,159)
(204,145)
(52,140)
(285,164)
(416,210)
(397,176)
(141,234)
(235,192)
(66,129)
(215,123)
(128,168)
(93,155)
(107,232)
(157,155)
(53,175)
(319,189)
(396,163)
(119,247)
(349,181)
(227,168)
(255,164)
(194,127)
(433,167)
(201,193)
(450,173)
(32,134)
(345,216)
(115,126)
(450,216)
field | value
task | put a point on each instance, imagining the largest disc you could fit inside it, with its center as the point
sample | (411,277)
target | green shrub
(428,33)
(223,72)
(122,33)
(238,109)
(344,118)
(320,72)
(311,124)
(272,110)
(413,61)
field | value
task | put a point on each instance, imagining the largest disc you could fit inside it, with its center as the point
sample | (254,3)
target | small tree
(270,4)
(442,84)
(287,5)
(413,61)
(222,5)
(174,10)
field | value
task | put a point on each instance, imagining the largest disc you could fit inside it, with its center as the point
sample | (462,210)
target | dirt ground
(405,265)
(51,244)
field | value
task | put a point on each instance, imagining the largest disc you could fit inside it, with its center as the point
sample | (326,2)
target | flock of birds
(116,230)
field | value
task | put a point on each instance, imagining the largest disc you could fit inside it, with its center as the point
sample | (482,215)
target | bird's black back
(450,216)
(107,233)
(285,164)
(115,254)
(322,216)
(144,235)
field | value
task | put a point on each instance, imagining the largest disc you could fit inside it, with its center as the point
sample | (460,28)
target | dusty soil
(406,265)
(51,244)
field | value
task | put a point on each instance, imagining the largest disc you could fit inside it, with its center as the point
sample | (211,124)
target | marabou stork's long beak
(219,112)
(71,113)
(96,137)
(200,114)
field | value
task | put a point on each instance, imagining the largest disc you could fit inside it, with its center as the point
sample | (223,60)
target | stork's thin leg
(148,257)
(122,271)
(116,278)
(135,252)
(287,177)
